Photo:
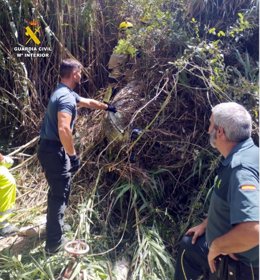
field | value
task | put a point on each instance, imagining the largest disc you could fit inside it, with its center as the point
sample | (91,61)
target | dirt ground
(26,239)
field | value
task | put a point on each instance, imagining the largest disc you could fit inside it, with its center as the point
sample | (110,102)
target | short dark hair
(67,66)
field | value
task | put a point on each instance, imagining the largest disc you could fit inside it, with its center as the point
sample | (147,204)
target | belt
(229,269)
(52,143)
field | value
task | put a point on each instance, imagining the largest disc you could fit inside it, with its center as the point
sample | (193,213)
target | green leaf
(241,16)
(212,30)
(221,34)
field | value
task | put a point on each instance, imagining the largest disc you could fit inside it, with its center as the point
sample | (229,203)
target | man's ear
(221,131)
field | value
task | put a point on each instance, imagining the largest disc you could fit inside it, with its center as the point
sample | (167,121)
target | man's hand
(234,241)
(74,163)
(111,108)
(213,253)
(197,231)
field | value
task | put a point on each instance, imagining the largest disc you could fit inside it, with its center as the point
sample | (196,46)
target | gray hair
(235,120)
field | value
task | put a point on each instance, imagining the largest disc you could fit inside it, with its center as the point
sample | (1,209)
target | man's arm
(92,104)
(241,238)
(65,134)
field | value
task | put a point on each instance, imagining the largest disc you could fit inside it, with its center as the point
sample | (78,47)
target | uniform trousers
(56,165)
(192,264)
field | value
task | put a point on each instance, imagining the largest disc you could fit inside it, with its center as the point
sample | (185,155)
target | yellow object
(7,191)
(247,187)
(125,25)
(108,94)
(32,35)
(124,46)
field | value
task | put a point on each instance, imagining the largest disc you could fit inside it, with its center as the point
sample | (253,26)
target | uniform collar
(244,145)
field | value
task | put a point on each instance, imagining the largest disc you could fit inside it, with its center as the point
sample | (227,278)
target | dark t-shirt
(235,198)
(63,99)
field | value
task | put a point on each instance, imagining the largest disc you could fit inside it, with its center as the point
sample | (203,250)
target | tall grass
(131,211)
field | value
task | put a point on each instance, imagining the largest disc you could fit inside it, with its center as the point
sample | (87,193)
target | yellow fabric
(125,47)
(108,94)
(7,193)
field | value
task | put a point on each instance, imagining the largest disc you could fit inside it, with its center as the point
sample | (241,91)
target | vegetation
(194,54)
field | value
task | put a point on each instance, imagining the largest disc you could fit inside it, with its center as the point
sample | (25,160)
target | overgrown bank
(193,56)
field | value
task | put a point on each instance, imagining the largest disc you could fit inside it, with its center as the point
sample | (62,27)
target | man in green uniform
(225,245)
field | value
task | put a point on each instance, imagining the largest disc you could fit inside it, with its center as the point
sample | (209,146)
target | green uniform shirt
(235,198)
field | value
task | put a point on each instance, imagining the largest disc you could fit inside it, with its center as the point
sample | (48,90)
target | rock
(121,269)
(32,231)
(37,229)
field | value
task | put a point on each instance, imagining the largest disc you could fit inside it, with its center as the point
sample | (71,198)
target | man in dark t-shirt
(226,244)
(65,100)
(56,152)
